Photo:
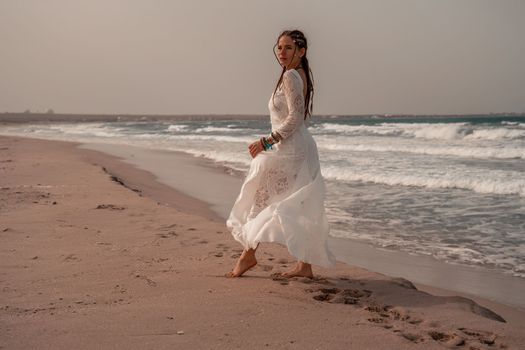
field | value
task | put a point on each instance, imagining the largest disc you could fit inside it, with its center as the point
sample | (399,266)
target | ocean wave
(503,258)
(455,151)
(364,130)
(231,159)
(235,139)
(452,131)
(86,130)
(212,129)
(521,125)
(209,129)
(496,134)
(491,183)
(177,127)
(430,131)
(218,129)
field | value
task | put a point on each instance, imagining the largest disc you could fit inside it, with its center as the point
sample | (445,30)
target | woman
(282,198)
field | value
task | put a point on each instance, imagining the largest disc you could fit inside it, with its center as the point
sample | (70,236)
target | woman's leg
(246,261)
(301,269)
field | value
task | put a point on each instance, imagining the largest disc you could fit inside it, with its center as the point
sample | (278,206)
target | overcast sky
(215,57)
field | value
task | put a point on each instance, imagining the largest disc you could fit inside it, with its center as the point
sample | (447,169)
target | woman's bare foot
(246,261)
(301,269)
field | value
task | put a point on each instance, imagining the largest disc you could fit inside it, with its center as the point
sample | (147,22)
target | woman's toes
(241,267)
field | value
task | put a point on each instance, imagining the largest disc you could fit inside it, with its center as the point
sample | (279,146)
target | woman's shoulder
(294,74)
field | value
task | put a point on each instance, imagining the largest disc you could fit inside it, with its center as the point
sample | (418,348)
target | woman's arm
(293,92)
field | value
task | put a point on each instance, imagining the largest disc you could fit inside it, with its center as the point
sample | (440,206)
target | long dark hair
(300,41)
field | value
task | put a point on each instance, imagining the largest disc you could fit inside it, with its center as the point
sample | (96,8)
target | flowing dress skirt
(282,201)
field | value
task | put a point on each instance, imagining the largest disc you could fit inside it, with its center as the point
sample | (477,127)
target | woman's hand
(255,148)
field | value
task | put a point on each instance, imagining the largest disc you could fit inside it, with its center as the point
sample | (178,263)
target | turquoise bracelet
(266,145)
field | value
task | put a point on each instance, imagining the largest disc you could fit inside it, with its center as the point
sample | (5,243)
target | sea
(449,187)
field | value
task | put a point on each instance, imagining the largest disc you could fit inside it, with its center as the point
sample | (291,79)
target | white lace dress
(282,198)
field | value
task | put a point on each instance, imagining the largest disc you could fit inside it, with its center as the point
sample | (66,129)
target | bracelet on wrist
(265,144)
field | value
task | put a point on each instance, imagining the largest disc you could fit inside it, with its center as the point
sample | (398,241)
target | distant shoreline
(70,117)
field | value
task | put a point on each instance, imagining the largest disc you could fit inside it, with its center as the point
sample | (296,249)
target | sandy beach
(98,253)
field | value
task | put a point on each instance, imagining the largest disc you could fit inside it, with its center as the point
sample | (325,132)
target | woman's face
(288,53)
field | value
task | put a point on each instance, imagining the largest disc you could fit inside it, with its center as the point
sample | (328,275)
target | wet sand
(96,253)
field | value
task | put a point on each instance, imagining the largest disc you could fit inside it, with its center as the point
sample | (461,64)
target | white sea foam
(355,129)
(495,182)
(438,131)
(521,125)
(74,130)
(148,136)
(480,152)
(504,260)
(496,134)
(232,159)
(219,129)
(430,131)
(233,139)
(177,127)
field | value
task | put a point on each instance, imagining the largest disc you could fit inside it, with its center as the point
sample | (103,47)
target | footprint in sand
(389,316)
(222,246)
(71,257)
(110,207)
(483,337)
(397,314)
(169,234)
(265,267)
(320,280)
(448,339)
(400,314)
(349,296)
(279,278)
(236,253)
(148,280)
(313,280)
(168,227)
(378,320)
(413,337)
(322,297)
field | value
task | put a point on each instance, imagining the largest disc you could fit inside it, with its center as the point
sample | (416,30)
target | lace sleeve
(293,92)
